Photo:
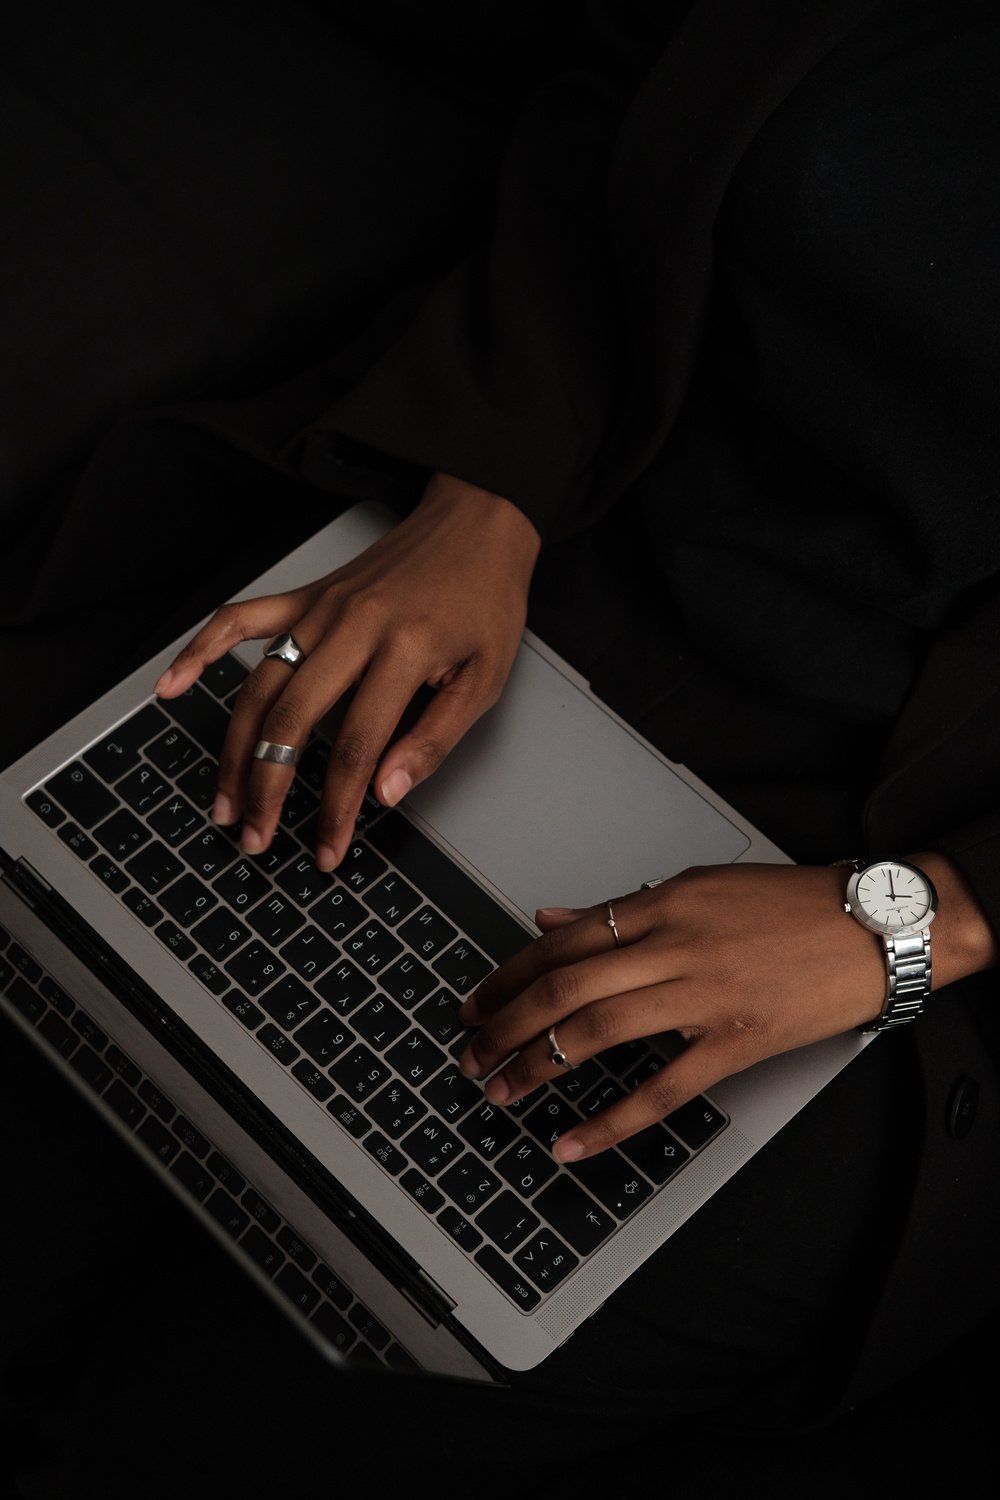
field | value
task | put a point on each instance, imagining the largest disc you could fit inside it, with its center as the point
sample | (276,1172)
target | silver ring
(281,755)
(613,925)
(557,1055)
(647,885)
(285,648)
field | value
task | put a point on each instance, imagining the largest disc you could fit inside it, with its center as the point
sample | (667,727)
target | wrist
(964,941)
(493,515)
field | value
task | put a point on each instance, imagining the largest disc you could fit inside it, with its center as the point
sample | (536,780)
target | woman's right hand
(440,600)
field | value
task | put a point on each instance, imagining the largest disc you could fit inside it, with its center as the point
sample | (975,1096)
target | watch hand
(892,888)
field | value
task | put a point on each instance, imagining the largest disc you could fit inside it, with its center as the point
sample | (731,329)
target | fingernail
(326,858)
(395,786)
(556,911)
(223,811)
(498,1090)
(567,1150)
(164,682)
(251,841)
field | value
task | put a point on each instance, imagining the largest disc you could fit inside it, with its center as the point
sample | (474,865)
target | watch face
(891,897)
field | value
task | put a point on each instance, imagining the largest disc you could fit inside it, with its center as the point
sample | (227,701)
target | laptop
(281,1045)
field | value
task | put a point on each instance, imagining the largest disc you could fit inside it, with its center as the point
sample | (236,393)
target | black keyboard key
(396,1109)
(190,1136)
(391,898)
(123,1066)
(312,1079)
(697,1122)
(626,1056)
(254,968)
(172,752)
(462,967)
(507,1278)
(171,937)
(25,999)
(324,1038)
(422,1191)
(75,838)
(359,1073)
(428,933)
(451,1094)
(244,1009)
(458,1226)
(122,835)
(296,1288)
(289,1002)
(276,919)
(546,1260)
(656,1153)
(371,946)
(303,882)
(416,1057)
(550,1119)
(90,1031)
(507,1221)
(261,1211)
(368,1326)
(227,1213)
(277,1042)
(198,784)
(332,1287)
(337,912)
(432,1146)
(262,1250)
(119,750)
(380,1022)
(360,866)
(224,676)
(298,806)
(242,886)
(209,974)
(154,867)
(24,963)
(55,996)
(407,980)
(204,719)
(573,1215)
(607,1092)
(384,1151)
(397,1359)
(161,1106)
(457,896)
(489,1130)
(55,1031)
(334,1328)
(209,852)
(125,1104)
(438,1014)
(78,790)
(348,1115)
(141,906)
(279,851)
(527,1166)
(113,875)
(297,1249)
(143,788)
(469,1184)
(44,807)
(613,1181)
(309,953)
(220,934)
(159,1140)
(187,900)
(226,1174)
(344,987)
(91,1069)
(175,820)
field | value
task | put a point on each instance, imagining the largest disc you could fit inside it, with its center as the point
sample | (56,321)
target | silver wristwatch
(898,902)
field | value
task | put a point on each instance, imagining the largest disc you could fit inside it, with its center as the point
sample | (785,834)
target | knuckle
(254,692)
(431,753)
(601,1024)
(662,1096)
(559,989)
(261,801)
(285,722)
(352,753)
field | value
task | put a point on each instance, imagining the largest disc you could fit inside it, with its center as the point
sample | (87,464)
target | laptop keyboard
(262,1238)
(352,983)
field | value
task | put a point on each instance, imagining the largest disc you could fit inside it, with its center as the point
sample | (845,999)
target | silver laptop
(281,1045)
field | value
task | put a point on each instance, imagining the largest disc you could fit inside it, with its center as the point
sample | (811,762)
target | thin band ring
(285,648)
(557,1055)
(281,755)
(613,925)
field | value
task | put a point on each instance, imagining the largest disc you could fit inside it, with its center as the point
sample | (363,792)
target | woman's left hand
(744,961)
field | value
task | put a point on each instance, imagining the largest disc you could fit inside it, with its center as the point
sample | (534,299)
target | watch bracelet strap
(908,961)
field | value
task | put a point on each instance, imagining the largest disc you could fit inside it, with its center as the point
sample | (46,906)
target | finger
(419,752)
(381,699)
(567,943)
(605,1023)
(245,620)
(550,917)
(691,1073)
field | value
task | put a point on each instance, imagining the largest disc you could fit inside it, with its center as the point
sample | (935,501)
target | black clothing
(749,418)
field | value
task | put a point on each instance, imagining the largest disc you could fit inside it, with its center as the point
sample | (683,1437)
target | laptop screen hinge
(427,1297)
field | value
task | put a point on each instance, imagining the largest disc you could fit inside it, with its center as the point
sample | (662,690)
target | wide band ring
(557,1055)
(647,885)
(285,648)
(281,755)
